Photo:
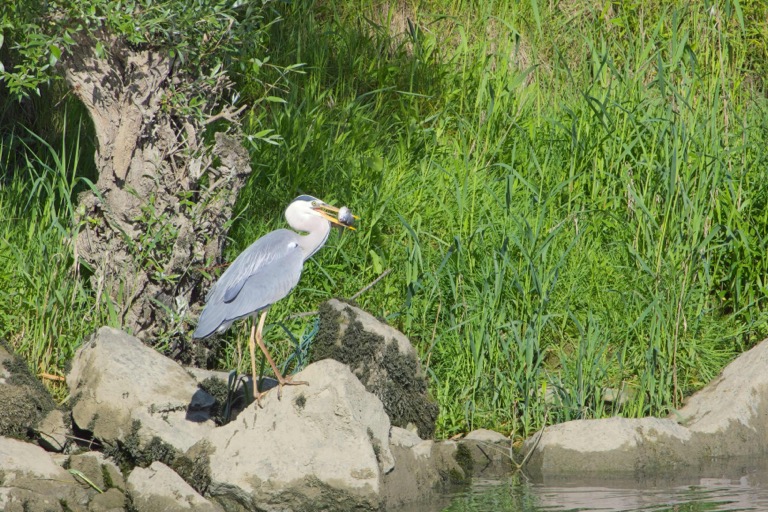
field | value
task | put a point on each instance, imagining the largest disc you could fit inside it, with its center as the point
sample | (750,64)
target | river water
(727,486)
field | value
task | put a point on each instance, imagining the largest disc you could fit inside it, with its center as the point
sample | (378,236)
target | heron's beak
(330,213)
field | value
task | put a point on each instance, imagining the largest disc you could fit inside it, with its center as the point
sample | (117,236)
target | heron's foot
(258,398)
(288,381)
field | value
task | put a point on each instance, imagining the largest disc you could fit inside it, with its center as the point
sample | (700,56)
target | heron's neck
(314,240)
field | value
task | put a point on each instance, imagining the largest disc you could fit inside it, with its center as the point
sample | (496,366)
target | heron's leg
(252,349)
(282,381)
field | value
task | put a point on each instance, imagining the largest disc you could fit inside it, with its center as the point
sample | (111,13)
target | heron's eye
(314,203)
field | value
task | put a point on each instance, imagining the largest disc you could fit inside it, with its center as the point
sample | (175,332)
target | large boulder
(727,418)
(31,481)
(613,445)
(125,391)
(382,358)
(323,446)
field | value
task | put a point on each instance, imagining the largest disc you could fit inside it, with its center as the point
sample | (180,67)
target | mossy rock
(24,401)
(382,358)
(130,453)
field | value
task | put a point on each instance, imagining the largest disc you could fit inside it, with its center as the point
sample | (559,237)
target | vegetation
(572,198)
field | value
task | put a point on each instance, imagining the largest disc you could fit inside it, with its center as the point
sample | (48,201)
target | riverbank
(571,200)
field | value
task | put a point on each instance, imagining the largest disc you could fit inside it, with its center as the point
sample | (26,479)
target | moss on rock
(25,401)
(464,459)
(129,452)
(195,468)
(383,369)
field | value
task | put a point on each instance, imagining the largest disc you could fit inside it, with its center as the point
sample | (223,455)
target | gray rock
(323,446)
(53,432)
(117,382)
(405,438)
(618,396)
(112,500)
(5,358)
(729,416)
(158,489)
(31,481)
(26,458)
(613,445)
(422,469)
(382,358)
(482,435)
(98,469)
(725,419)
(491,453)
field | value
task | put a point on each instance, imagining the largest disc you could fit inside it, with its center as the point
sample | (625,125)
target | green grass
(572,199)
(45,307)
(568,206)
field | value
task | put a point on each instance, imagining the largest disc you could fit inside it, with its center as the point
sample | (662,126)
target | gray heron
(266,272)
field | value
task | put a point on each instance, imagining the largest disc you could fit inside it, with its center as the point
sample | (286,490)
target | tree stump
(158,212)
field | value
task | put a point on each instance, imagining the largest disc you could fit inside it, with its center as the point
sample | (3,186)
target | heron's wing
(262,274)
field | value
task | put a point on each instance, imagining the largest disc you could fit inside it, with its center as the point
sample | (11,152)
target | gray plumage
(268,269)
(261,275)
(266,272)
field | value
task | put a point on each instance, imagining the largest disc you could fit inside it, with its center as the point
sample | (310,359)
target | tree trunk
(163,197)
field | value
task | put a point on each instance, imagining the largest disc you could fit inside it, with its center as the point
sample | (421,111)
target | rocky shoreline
(142,433)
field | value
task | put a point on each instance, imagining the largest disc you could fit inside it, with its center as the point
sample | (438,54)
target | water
(709,495)
(735,485)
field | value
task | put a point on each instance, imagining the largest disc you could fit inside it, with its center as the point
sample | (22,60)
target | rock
(422,469)
(53,432)
(112,500)
(98,469)
(618,396)
(158,489)
(382,358)
(322,447)
(123,389)
(25,401)
(482,435)
(608,446)
(727,418)
(31,481)
(490,451)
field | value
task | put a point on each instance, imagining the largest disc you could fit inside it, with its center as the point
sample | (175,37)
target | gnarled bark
(163,197)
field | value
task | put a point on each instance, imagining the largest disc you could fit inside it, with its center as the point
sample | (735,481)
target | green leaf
(275,99)
(55,54)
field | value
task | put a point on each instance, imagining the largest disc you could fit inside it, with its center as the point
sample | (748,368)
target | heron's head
(305,210)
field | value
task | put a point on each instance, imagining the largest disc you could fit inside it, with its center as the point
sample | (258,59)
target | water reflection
(723,486)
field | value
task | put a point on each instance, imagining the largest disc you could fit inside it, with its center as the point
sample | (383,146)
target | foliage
(572,198)
(571,202)
(206,36)
(45,308)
